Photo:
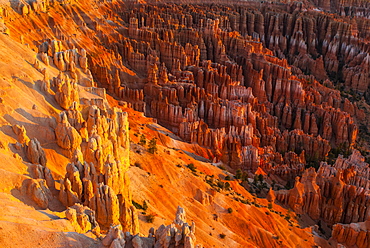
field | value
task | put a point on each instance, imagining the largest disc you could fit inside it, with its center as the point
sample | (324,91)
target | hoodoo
(184,124)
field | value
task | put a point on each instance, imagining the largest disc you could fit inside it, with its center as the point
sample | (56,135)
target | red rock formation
(67,136)
(66,92)
(38,191)
(352,235)
(335,194)
(98,176)
(214,102)
(35,153)
(83,219)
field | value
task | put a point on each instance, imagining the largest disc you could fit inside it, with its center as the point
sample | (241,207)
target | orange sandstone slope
(66,143)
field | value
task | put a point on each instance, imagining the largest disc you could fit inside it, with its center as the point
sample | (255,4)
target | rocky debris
(83,219)
(45,83)
(83,184)
(203,197)
(177,234)
(115,237)
(66,196)
(35,153)
(83,60)
(107,206)
(44,58)
(305,197)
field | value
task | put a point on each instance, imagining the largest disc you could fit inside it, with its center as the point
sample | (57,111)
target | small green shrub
(229,210)
(145,206)
(238,174)
(222,235)
(288,215)
(137,205)
(192,167)
(142,141)
(269,206)
(150,218)
(227,185)
(152,147)
(260,177)
(221,184)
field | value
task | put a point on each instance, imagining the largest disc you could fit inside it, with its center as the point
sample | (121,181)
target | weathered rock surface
(38,192)
(37,171)
(352,235)
(178,234)
(83,219)
(21,133)
(66,92)
(97,179)
(67,136)
(335,194)
(35,153)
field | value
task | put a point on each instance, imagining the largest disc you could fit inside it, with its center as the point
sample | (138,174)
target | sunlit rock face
(256,87)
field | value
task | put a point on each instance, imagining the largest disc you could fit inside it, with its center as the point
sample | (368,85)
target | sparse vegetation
(238,174)
(288,215)
(255,179)
(229,210)
(150,218)
(192,167)
(137,205)
(222,235)
(152,146)
(137,164)
(142,141)
(269,206)
(227,185)
(145,206)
